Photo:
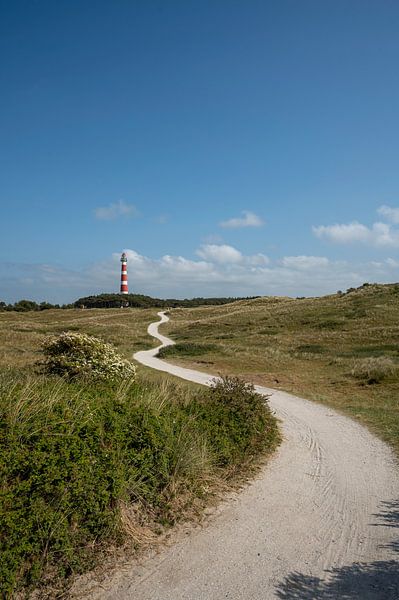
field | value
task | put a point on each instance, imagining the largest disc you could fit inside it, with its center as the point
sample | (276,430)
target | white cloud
(220,253)
(249,219)
(115,210)
(179,264)
(180,277)
(303,263)
(343,234)
(392,214)
(228,272)
(219,270)
(257,259)
(379,234)
(224,254)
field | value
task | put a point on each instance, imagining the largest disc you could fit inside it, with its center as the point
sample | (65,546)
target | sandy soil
(320,521)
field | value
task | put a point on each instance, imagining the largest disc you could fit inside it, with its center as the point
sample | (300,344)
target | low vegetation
(374,370)
(91,461)
(186,349)
(342,349)
(22,334)
(85,465)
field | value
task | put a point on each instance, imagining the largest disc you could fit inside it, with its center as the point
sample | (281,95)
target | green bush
(80,355)
(238,420)
(73,454)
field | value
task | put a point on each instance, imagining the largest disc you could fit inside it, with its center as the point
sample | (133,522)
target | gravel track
(320,521)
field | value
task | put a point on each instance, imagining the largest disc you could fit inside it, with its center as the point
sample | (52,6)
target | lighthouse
(124,287)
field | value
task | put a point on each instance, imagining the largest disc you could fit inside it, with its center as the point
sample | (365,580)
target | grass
(85,467)
(374,370)
(310,347)
(187,349)
(21,334)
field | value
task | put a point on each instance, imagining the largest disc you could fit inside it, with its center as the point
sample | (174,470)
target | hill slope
(314,347)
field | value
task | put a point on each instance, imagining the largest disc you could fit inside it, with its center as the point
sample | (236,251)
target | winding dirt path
(320,521)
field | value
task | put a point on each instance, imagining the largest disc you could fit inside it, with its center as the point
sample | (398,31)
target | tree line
(118,301)
(142,301)
(28,305)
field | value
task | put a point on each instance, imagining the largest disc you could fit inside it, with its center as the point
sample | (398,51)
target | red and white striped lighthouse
(124,287)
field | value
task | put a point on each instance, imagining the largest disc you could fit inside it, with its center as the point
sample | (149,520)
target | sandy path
(321,520)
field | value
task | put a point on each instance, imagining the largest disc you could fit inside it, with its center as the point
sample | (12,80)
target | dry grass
(21,334)
(373,369)
(306,346)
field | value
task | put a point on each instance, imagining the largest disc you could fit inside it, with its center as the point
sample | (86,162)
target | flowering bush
(81,355)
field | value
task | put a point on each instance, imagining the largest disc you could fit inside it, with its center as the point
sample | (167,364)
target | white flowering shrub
(80,355)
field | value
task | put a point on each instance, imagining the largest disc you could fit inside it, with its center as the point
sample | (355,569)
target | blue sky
(148,126)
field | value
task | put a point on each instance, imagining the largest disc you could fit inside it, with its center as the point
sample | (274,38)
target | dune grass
(186,349)
(22,333)
(319,348)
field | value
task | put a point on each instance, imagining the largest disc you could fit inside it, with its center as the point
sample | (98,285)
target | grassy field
(307,346)
(21,333)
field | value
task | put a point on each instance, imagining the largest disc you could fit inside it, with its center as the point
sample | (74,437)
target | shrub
(81,355)
(74,455)
(373,369)
(238,420)
(69,454)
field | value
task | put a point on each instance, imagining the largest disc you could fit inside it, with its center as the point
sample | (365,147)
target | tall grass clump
(373,369)
(80,355)
(87,464)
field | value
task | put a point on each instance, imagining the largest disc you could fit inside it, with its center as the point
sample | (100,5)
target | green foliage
(186,349)
(25,305)
(240,423)
(73,454)
(80,355)
(141,301)
(119,301)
